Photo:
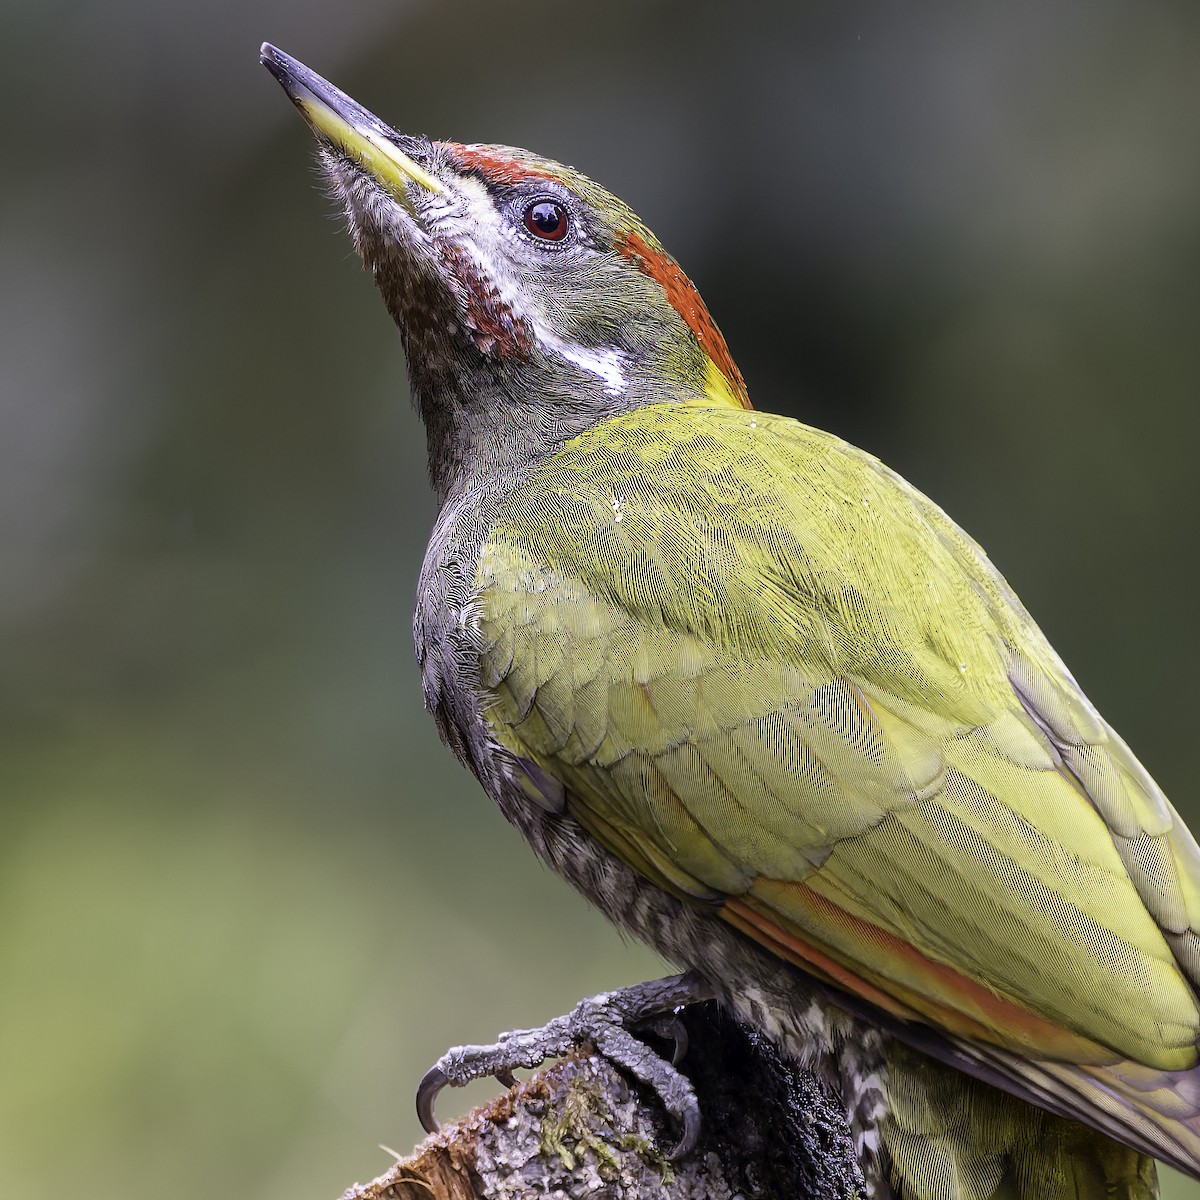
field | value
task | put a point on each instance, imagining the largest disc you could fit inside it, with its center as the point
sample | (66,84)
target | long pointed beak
(349,127)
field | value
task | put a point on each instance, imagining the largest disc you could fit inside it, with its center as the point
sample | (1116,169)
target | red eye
(546,219)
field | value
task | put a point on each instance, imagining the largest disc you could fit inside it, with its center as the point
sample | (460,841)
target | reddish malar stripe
(684,298)
(496,165)
(493,326)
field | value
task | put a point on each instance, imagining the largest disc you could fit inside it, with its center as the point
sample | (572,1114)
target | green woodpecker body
(765,705)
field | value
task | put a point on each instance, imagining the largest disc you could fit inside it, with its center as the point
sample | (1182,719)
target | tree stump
(579,1129)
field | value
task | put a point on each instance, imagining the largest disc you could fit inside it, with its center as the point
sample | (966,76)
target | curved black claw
(680,1033)
(428,1091)
(431,1085)
(688,1136)
(671,1029)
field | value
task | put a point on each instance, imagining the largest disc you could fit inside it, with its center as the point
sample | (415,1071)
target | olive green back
(776,679)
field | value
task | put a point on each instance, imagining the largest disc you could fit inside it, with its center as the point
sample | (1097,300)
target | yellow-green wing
(773,677)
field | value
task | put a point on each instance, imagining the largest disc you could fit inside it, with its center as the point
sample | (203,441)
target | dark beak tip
(281,65)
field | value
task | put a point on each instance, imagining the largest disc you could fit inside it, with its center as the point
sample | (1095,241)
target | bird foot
(605,1022)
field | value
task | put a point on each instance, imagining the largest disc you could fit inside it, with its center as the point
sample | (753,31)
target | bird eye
(546,219)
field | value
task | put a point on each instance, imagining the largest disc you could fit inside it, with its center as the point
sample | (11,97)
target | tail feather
(1154,1112)
(947,1137)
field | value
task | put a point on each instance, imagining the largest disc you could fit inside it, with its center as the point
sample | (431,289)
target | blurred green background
(245,896)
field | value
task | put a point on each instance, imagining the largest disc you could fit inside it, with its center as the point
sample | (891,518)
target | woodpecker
(764,704)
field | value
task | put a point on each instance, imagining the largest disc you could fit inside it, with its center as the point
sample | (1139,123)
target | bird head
(532,303)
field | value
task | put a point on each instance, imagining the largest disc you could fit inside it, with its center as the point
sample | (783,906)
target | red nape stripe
(495,164)
(684,298)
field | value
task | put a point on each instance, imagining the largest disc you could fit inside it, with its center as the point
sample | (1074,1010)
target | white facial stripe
(604,363)
(471,218)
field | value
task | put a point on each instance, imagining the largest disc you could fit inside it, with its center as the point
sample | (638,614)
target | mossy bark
(580,1129)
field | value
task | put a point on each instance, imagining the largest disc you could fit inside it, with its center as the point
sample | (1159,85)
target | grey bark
(580,1129)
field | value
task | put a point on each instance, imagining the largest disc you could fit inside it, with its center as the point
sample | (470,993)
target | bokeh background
(245,896)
